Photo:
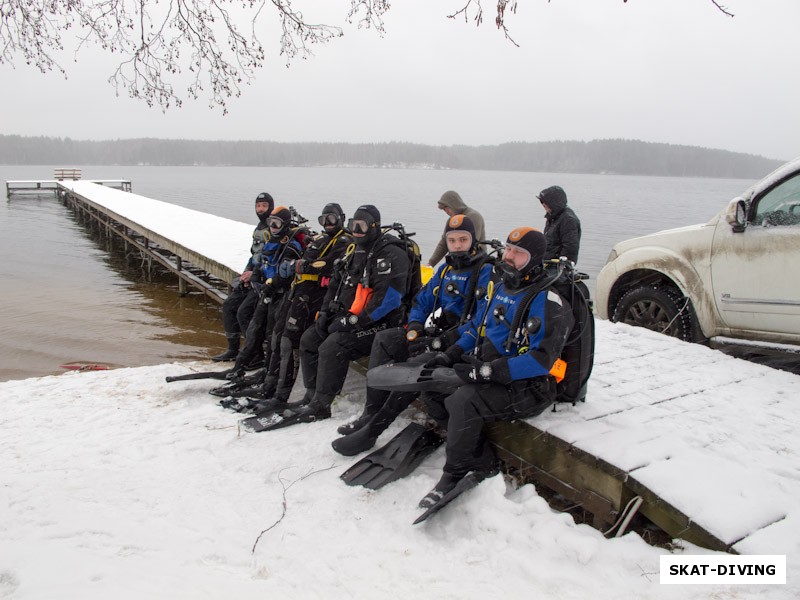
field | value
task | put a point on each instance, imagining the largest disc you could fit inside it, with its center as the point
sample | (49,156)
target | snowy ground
(118,485)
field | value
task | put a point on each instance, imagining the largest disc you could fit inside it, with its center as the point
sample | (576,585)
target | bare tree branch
(503,5)
(721,8)
(176,48)
(373,13)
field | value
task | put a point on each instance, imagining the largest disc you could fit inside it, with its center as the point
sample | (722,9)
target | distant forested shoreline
(612,156)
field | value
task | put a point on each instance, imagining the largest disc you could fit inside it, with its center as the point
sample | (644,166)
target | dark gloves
(420,345)
(286,269)
(413,330)
(474,370)
(345,323)
(416,343)
(446,359)
(440,359)
(321,324)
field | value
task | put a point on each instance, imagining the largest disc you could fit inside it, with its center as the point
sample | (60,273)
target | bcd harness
(363,289)
(521,327)
(470,296)
(300,278)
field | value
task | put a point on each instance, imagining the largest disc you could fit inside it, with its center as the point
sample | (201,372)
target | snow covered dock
(706,441)
(172,235)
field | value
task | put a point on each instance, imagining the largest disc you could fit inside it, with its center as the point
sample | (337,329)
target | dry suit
(239,306)
(313,275)
(520,384)
(457,292)
(364,297)
(270,289)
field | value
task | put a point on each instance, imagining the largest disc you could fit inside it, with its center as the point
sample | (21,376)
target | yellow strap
(309,277)
(329,244)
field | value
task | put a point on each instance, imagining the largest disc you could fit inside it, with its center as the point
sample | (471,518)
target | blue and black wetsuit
(521,387)
(456,294)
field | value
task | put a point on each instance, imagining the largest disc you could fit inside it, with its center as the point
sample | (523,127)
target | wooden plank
(590,482)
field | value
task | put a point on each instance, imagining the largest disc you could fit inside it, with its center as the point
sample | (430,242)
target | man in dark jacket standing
(452,204)
(563,228)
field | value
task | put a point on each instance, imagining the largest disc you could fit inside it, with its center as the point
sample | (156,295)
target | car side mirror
(736,215)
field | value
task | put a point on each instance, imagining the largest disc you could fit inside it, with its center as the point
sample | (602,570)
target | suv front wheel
(658,309)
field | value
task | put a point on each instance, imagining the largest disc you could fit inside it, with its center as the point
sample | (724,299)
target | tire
(657,309)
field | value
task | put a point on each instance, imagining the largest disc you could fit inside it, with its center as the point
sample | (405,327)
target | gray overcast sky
(673,71)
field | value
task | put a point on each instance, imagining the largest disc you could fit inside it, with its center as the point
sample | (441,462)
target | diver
(451,298)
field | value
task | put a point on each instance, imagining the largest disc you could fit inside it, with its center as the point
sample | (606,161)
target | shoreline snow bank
(116,483)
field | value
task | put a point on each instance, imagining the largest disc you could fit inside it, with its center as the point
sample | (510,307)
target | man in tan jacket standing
(452,204)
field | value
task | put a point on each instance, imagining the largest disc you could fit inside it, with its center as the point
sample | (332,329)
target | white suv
(736,276)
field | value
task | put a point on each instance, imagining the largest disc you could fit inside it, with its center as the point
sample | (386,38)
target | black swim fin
(270,419)
(467,483)
(199,375)
(413,377)
(399,457)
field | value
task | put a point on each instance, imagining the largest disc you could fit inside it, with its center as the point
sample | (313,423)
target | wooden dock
(653,420)
(19,187)
(158,230)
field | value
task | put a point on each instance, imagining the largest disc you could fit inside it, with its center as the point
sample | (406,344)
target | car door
(756,272)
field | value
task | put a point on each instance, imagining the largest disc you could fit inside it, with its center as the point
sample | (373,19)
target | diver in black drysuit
(364,297)
(312,274)
(239,306)
(282,246)
(508,372)
(457,292)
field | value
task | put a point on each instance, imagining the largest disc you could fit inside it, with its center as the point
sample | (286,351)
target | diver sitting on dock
(270,286)
(239,306)
(509,372)
(449,300)
(368,294)
(312,274)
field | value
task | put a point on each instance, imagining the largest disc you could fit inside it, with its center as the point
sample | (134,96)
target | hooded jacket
(562,231)
(452,200)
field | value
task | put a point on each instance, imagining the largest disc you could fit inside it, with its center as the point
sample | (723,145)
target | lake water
(65,298)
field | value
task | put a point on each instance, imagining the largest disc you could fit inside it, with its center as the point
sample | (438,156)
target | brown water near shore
(84,300)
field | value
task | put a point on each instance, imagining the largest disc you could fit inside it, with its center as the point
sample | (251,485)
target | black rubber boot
(270,404)
(355,443)
(365,437)
(446,484)
(354,426)
(256,363)
(231,353)
(318,409)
